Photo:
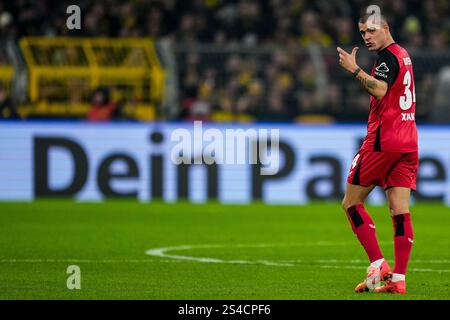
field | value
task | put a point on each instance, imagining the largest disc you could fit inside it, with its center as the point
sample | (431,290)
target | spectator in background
(7,109)
(276,110)
(438,40)
(426,90)
(103,109)
(312,31)
(343,30)
(200,110)
(411,31)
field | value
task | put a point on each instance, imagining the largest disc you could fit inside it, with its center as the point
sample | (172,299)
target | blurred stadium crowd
(246,59)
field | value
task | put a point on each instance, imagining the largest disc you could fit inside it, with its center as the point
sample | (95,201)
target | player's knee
(345,204)
(348,203)
(399,208)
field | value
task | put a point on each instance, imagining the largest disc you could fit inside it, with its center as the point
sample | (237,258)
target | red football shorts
(384,169)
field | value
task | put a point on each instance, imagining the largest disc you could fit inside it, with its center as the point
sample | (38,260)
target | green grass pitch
(207,251)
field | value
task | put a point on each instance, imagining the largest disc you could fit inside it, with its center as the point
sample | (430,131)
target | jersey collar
(383,50)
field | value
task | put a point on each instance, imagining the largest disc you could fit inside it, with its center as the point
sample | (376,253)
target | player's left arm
(373,86)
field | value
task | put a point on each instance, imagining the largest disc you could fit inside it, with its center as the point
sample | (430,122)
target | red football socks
(403,240)
(364,228)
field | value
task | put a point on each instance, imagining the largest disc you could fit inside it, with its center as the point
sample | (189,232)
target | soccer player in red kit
(389,154)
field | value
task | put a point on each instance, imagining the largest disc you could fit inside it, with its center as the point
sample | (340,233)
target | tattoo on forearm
(367,84)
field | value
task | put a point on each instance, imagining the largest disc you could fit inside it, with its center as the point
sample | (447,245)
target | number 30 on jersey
(409,96)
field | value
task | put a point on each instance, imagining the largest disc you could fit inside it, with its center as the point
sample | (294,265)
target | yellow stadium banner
(6,76)
(65,71)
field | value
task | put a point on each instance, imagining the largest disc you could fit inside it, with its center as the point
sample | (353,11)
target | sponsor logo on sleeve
(381,70)
(382,67)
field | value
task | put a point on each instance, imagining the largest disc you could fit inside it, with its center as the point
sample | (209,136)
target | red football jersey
(391,126)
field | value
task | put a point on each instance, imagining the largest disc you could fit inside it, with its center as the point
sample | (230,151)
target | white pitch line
(340,267)
(83,261)
(27,260)
(162,252)
(362,268)
(428,270)
(431,261)
(359,261)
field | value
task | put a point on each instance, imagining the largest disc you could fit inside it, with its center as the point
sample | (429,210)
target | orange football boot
(374,276)
(392,287)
